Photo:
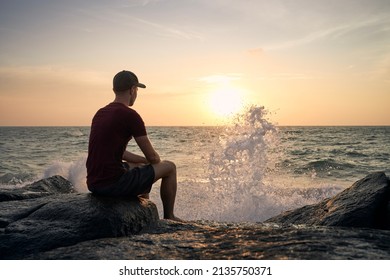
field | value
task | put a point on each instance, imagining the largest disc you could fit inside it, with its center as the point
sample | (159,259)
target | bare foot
(174,218)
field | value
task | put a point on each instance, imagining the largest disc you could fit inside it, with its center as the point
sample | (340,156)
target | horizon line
(277,125)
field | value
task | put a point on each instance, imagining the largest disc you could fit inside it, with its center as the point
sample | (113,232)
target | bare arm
(133,158)
(147,148)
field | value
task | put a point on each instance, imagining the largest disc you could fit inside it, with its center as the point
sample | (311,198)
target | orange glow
(57,69)
(226,101)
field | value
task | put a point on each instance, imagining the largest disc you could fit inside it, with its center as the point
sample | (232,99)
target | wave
(74,171)
(16,180)
(325,165)
(74,133)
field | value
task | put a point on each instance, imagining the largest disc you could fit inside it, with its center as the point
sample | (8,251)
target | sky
(307,62)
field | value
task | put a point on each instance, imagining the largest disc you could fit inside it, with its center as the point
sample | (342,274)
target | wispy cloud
(169,31)
(143,3)
(381,24)
(287,76)
(123,17)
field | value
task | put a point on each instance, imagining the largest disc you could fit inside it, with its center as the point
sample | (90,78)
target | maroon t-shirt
(112,128)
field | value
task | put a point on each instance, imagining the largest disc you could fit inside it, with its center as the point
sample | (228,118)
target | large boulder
(365,204)
(40,224)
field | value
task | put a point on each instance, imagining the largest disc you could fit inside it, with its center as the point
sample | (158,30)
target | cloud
(256,52)
(114,17)
(169,31)
(143,3)
(287,76)
(378,24)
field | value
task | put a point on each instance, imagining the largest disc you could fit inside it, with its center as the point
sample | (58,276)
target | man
(114,171)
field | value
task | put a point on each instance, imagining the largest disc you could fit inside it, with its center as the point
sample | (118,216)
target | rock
(387,217)
(18,203)
(61,225)
(40,224)
(45,187)
(364,204)
(204,240)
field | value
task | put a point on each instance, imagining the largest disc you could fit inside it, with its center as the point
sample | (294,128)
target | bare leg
(166,171)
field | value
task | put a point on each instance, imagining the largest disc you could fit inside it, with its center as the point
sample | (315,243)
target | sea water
(248,170)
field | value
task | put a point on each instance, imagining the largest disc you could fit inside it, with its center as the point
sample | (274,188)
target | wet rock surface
(41,188)
(211,240)
(350,225)
(42,223)
(364,204)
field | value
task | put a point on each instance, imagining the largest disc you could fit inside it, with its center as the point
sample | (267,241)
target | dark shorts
(135,181)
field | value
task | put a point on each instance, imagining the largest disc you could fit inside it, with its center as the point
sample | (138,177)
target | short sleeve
(137,125)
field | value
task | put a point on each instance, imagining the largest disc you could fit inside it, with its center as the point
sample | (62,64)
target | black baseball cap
(124,80)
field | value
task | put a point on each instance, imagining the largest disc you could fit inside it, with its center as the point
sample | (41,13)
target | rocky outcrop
(46,187)
(365,204)
(60,225)
(204,240)
(43,223)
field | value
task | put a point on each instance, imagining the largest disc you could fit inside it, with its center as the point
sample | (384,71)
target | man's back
(112,128)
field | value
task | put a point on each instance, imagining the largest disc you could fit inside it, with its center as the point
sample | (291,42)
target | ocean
(246,171)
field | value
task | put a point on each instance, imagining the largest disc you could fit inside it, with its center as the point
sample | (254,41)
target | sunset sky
(308,62)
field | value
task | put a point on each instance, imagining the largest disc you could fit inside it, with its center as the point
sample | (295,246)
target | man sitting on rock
(114,171)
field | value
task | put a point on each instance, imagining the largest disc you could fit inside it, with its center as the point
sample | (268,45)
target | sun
(226,101)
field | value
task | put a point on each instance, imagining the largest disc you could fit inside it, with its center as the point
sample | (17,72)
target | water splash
(239,164)
(240,173)
(74,171)
(242,154)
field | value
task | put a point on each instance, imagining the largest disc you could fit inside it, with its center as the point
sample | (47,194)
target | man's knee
(163,169)
(171,165)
